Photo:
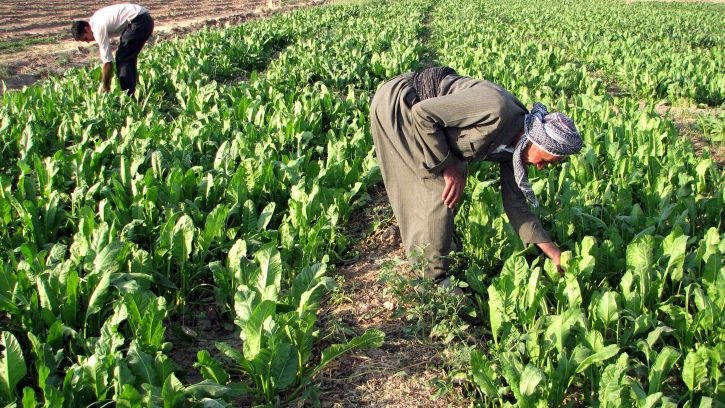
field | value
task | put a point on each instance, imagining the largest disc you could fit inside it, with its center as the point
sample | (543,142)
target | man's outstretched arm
(106,76)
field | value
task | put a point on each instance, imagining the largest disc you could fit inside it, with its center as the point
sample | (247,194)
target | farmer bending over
(134,24)
(426,126)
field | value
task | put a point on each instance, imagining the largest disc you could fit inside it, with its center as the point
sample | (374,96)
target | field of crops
(233,178)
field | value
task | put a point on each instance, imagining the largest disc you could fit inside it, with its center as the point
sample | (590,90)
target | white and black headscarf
(554,133)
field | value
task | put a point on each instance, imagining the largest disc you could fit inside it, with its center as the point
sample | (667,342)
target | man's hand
(455,183)
(106,75)
(553,252)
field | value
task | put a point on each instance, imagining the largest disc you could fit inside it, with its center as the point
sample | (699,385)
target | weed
(433,310)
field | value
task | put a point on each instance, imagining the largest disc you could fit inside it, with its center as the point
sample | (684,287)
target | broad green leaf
(532,289)
(675,246)
(146,318)
(129,397)
(95,375)
(183,238)
(110,339)
(588,260)
(142,365)
(266,216)
(99,295)
(172,392)
(29,398)
(105,262)
(563,374)
(516,268)
(643,400)
(231,353)
(372,338)
(104,265)
(715,358)
(283,367)
(640,262)
(602,355)
(551,271)
(706,402)
(70,302)
(496,311)
(705,316)
(306,280)
(611,392)
(7,287)
(560,326)
(12,365)
(253,328)
(572,291)
(632,298)
(655,334)
(46,294)
(210,368)
(512,369)
(249,216)
(694,370)
(270,267)
(661,368)
(482,374)
(530,380)
(207,388)
(594,341)
(213,227)
(607,308)
(309,286)
(245,300)
(211,403)
(236,254)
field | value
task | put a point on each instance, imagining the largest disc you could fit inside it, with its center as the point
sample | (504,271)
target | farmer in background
(426,126)
(134,24)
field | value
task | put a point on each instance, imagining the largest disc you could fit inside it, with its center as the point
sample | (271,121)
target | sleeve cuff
(533,233)
(438,168)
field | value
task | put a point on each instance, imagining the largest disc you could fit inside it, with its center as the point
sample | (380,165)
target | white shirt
(111,21)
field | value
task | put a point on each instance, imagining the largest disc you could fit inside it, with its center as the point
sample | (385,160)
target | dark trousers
(133,39)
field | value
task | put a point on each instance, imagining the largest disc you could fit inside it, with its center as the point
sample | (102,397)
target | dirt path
(405,370)
(50,21)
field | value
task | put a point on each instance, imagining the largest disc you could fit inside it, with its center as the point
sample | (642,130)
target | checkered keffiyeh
(555,133)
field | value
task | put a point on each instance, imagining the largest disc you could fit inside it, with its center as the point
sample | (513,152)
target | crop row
(230,179)
(637,320)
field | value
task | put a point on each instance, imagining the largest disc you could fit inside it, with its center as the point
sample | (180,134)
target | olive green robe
(470,120)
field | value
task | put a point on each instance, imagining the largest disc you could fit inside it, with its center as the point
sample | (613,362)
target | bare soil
(21,20)
(685,119)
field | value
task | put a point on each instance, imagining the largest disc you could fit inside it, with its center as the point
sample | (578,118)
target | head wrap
(554,133)
(426,82)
